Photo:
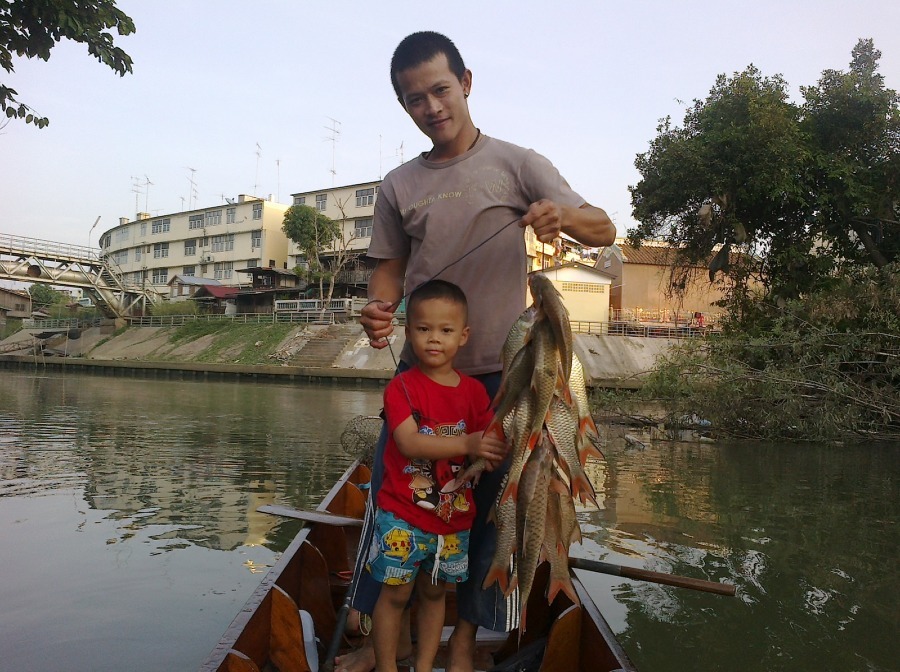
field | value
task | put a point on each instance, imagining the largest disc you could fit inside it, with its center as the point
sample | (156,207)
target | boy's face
(436,329)
(435,99)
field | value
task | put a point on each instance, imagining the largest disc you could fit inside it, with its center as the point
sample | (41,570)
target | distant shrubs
(175,308)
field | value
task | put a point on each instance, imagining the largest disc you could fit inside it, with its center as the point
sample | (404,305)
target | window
(223,243)
(257,211)
(229,215)
(188,271)
(213,217)
(222,270)
(160,250)
(143,228)
(160,226)
(299,200)
(584,287)
(321,201)
(253,263)
(137,252)
(362,228)
(120,257)
(195,222)
(122,234)
(365,197)
(190,247)
(160,276)
(256,238)
(204,242)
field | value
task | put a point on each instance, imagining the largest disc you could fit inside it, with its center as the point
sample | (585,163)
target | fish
(531,520)
(556,544)
(503,515)
(562,429)
(589,436)
(550,303)
(544,378)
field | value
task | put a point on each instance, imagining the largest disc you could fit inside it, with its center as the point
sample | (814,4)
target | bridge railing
(44,248)
(239,318)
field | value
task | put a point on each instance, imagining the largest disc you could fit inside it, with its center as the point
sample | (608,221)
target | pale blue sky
(584,83)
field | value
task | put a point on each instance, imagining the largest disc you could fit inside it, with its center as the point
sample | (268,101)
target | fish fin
(511,588)
(582,487)
(557,585)
(560,488)
(511,491)
(498,575)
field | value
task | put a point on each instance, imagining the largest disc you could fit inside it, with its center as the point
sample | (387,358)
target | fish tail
(581,486)
(564,585)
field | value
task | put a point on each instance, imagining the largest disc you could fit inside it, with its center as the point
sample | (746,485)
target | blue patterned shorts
(399,551)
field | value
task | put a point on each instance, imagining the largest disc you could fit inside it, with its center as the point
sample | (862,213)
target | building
(584,290)
(642,284)
(14,303)
(213,242)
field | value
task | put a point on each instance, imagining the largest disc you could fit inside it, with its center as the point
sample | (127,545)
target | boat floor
(486,644)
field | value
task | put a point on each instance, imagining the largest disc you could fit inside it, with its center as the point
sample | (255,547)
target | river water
(129,536)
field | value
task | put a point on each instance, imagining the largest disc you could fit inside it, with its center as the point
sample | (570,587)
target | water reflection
(128,509)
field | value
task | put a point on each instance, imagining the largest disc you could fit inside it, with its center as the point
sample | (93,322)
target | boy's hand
(492,449)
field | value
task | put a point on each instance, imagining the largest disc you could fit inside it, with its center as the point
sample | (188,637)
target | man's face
(435,99)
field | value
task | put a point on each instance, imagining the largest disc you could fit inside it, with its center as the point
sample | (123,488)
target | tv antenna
(333,138)
(147,185)
(256,178)
(278,180)
(193,192)
(136,188)
(399,152)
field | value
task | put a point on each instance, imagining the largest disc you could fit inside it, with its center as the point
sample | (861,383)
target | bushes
(823,367)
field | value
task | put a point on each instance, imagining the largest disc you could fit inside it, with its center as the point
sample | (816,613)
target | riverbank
(337,353)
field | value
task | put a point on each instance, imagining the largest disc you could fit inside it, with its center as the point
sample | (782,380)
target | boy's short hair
(438,289)
(420,48)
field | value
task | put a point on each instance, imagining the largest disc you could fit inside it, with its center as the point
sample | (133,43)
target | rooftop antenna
(136,188)
(182,203)
(333,138)
(278,180)
(256,179)
(193,192)
(379,156)
(400,152)
(147,184)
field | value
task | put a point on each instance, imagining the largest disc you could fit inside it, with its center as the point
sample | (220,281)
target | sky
(276,97)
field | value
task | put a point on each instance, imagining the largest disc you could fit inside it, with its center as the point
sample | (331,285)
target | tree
(853,123)
(44,296)
(801,190)
(324,243)
(31,28)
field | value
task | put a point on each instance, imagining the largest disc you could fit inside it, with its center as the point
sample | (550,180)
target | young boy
(435,418)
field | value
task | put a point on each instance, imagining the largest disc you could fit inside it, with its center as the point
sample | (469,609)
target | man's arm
(385,292)
(589,225)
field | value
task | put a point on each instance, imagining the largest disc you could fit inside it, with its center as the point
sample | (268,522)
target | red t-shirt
(421,492)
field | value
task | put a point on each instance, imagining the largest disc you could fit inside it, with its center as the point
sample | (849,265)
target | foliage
(175,308)
(31,28)
(324,245)
(799,190)
(44,296)
(232,343)
(823,367)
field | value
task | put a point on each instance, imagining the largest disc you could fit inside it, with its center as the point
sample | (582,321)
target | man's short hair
(420,48)
(438,289)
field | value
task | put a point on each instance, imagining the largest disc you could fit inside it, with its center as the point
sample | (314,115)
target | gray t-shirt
(439,215)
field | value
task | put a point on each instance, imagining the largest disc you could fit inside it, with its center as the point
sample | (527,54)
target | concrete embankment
(337,354)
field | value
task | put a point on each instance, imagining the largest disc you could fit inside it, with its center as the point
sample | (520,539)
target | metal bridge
(47,262)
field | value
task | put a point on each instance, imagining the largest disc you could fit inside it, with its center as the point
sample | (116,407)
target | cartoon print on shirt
(426,478)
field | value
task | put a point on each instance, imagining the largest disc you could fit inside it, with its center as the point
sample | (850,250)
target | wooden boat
(313,576)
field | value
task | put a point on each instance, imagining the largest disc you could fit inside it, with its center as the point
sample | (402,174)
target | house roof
(192,280)
(578,265)
(216,291)
(18,292)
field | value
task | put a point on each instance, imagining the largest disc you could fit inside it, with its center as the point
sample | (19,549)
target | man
(457,212)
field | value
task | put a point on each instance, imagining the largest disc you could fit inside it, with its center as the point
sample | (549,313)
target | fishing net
(360,436)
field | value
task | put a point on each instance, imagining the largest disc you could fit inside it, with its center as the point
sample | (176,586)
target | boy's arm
(414,445)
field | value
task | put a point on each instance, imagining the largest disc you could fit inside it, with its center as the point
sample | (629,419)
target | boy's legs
(387,624)
(430,621)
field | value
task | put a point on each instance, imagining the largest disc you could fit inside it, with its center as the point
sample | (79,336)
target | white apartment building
(212,242)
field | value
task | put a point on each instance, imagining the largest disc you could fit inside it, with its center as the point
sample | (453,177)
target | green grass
(239,341)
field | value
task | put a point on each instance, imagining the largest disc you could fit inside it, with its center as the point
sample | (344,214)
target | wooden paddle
(322,517)
(655,577)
